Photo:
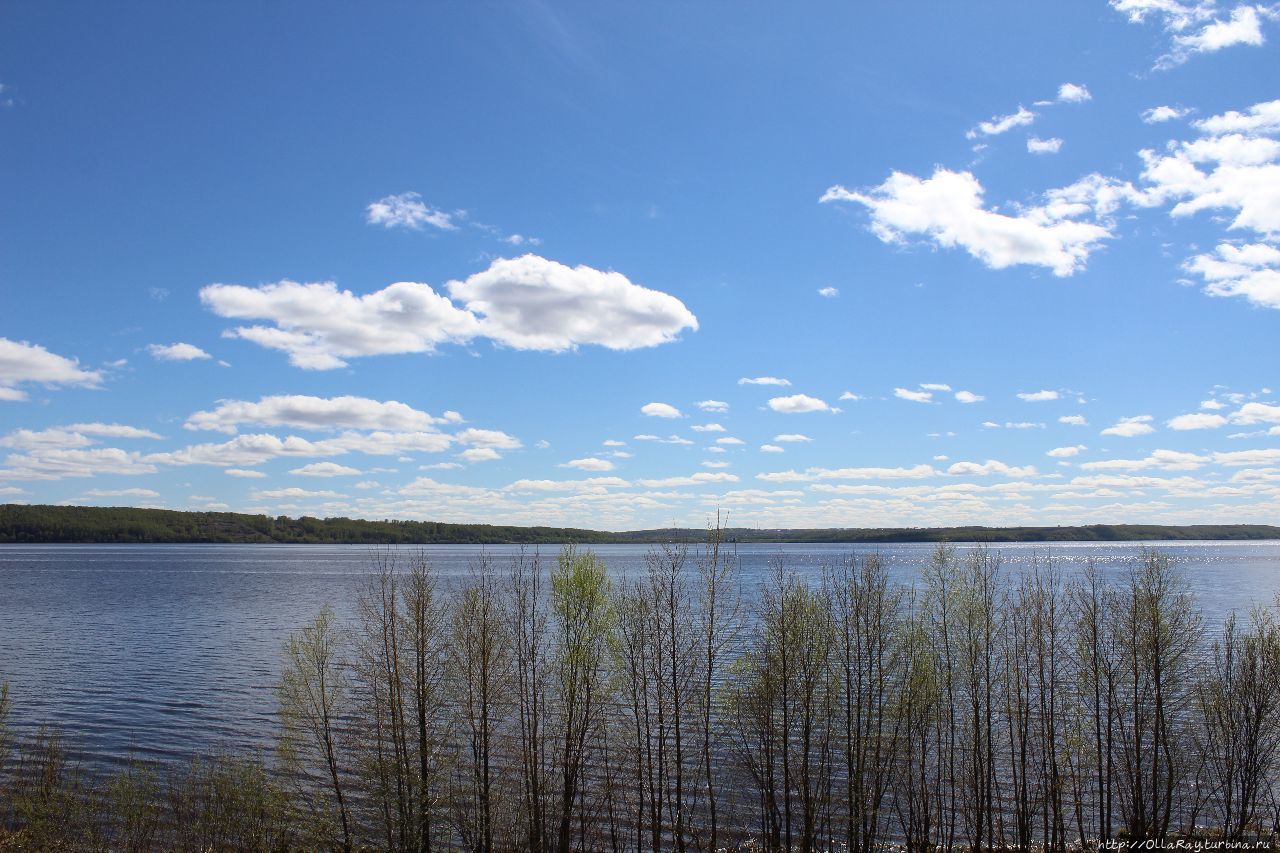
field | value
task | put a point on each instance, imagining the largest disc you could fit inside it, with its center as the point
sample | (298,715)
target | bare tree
(314,698)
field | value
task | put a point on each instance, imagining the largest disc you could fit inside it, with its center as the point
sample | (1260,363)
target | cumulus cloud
(1163,113)
(315,413)
(1197,26)
(791,437)
(729,440)
(991,466)
(295,492)
(828,292)
(1002,124)
(1038,396)
(1036,145)
(1165,460)
(1250,270)
(57,463)
(1073,93)
(660,410)
(326,469)
(771,448)
(407,210)
(763,380)
(913,396)
(701,478)
(23,362)
(493,438)
(1073,420)
(524,303)
(949,210)
(1253,413)
(176,352)
(1196,420)
(1131,427)
(1066,452)
(590,463)
(480,454)
(850,396)
(245,473)
(969,397)
(718,406)
(533,303)
(798,403)
(917,472)
(707,428)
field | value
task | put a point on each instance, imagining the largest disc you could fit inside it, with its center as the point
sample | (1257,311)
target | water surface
(166,651)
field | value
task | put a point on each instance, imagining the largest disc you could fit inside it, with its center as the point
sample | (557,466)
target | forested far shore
(33,524)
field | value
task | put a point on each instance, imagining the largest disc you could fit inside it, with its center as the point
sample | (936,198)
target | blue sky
(620,265)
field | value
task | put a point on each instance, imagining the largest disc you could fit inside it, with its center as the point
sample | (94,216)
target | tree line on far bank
(556,707)
(24,523)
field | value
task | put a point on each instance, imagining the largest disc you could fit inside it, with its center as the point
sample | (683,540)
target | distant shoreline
(46,524)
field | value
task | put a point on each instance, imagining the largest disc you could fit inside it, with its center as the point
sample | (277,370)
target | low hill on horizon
(32,524)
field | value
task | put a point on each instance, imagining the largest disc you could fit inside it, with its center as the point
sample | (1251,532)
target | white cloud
(1161,114)
(1164,460)
(849,395)
(1197,420)
(713,406)
(590,463)
(611,442)
(969,397)
(708,428)
(1073,93)
(917,472)
(244,473)
(480,454)
(1243,26)
(913,396)
(791,437)
(991,466)
(325,469)
(1260,118)
(935,386)
(295,492)
(176,352)
(1253,413)
(534,303)
(525,303)
(1269,456)
(1251,271)
(798,403)
(1073,420)
(55,463)
(121,493)
(948,209)
(729,440)
(1131,427)
(22,362)
(1066,452)
(315,413)
(1038,396)
(771,448)
(764,380)
(407,210)
(660,410)
(714,463)
(493,438)
(828,292)
(701,478)
(1001,124)
(1036,145)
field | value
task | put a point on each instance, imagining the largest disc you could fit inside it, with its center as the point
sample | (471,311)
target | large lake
(165,651)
